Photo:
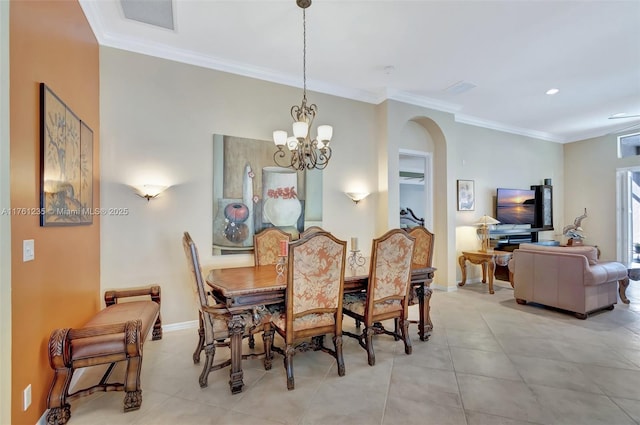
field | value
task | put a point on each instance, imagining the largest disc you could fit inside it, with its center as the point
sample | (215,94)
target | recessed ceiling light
(460,87)
(389,69)
(552,91)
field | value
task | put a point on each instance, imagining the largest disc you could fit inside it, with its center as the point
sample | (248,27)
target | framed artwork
(250,194)
(66,164)
(466,195)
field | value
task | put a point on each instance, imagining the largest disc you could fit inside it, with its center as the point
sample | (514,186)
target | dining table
(244,289)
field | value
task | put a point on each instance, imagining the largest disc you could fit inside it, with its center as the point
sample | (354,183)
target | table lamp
(484,222)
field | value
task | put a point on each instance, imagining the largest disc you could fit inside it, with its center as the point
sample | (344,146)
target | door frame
(428,182)
(624,214)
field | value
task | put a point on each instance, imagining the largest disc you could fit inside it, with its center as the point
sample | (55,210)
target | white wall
(590,182)
(158,118)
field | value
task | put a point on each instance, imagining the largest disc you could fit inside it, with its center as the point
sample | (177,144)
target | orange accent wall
(50,42)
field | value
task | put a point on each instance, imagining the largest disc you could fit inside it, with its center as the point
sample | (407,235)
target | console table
(489,258)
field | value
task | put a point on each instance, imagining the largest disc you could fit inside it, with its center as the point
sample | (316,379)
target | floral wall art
(66,166)
(250,193)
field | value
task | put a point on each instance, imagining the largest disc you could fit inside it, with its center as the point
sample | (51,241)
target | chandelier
(304,152)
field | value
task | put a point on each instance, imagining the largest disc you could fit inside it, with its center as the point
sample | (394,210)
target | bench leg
(59,410)
(133,396)
(157,326)
(59,415)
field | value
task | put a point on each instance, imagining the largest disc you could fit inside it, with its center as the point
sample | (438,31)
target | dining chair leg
(405,336)
(369,331)
(196,354)
(267,338)
(210,352)
(288,365)
(337,344)
(318,342)
(396,330)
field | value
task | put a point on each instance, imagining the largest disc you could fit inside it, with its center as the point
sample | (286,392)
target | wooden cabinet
(544,207)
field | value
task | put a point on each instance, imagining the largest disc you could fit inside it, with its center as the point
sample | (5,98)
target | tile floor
(489,361)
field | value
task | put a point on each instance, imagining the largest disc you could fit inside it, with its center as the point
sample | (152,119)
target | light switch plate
(28,250)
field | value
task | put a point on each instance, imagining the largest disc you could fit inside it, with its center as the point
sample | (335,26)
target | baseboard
(444,288)
(191,324)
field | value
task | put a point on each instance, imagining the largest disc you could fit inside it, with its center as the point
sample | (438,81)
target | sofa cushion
(591,252)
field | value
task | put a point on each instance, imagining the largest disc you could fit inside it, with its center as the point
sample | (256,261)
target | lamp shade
(279,137)
(325,132)
(292,143)
(486,220)
(300,129)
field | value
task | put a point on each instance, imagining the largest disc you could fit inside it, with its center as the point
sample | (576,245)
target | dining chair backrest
(315,281)
(266,245)
(390,272)
(311,230)
(193,259)
(423,256)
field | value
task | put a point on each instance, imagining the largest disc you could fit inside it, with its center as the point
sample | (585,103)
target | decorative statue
(573,231)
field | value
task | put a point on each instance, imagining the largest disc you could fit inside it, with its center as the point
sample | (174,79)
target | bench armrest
(111,297)
(60,355)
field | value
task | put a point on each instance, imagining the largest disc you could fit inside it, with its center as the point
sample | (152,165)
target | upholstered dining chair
(422,258)
(387,295)
(313,300)
(214,319)
(311,230)
(266,245)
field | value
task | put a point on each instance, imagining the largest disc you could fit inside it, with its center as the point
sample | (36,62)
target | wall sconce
(357,196)
(150,191)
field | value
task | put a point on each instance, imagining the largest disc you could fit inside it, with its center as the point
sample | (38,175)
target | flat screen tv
(515,206)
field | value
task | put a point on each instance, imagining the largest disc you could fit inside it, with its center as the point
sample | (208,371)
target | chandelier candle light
(484,223)
(305,153)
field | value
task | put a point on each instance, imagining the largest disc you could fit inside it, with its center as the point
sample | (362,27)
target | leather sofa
(567,278)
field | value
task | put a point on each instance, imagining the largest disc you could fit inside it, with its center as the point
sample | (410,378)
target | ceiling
(413,51)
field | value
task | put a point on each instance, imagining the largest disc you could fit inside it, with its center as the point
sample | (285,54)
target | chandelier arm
(278,156)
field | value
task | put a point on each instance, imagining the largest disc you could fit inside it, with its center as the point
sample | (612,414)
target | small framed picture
(466,195)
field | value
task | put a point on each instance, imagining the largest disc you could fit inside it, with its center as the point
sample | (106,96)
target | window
(629,145)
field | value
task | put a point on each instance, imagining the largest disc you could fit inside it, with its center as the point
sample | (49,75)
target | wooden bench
(113,335)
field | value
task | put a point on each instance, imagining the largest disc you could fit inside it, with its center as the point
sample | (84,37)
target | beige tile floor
(489,361)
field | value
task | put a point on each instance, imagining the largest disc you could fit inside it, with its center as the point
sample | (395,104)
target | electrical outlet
(26,398)
(28,250)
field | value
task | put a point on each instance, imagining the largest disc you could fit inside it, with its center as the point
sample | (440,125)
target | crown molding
(423,101)
(105,38)
(479,122)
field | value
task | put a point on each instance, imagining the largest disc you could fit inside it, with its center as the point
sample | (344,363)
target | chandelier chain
(303,152)
(304,54)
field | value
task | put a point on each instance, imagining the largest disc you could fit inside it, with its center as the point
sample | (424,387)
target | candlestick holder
(355,259)
(281,265)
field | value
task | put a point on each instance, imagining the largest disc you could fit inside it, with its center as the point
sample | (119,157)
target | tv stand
(509,239)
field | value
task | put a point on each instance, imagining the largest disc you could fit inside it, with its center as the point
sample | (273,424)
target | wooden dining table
(243,289)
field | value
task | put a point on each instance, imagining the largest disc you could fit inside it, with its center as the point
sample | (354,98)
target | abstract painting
(250,193)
